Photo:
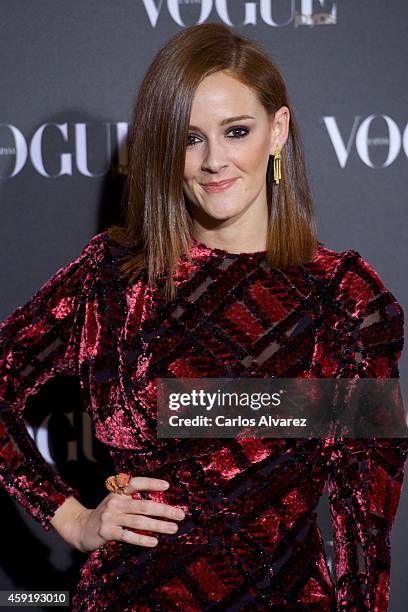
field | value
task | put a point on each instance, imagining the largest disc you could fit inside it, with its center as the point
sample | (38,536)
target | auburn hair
(156,221)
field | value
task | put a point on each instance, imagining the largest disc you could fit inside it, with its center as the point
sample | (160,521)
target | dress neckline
(203,248)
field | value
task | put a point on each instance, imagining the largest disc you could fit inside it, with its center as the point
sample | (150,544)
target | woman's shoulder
(98,244)
(331,260)
(353,280)
(101,248)
(348,263)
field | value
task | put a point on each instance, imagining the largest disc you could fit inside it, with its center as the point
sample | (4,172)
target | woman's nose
(215,156)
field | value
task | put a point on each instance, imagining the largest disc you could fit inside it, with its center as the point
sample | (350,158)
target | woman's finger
(144,483)
(124,535)
(138,521)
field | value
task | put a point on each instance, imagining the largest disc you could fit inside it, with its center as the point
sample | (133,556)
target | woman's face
(220,148)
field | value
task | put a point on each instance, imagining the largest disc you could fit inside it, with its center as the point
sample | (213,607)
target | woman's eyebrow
(225,121)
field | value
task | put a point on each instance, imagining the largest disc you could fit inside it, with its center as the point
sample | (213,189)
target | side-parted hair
(156,222)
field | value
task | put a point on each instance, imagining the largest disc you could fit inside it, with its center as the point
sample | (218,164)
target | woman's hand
(115,512)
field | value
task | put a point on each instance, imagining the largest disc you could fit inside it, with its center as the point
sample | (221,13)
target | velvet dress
(250,538)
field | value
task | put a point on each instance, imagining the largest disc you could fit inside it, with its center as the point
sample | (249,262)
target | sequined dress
(250,539)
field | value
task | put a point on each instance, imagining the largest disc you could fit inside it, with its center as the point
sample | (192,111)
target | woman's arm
(67,521)
(38,341)
(362,337)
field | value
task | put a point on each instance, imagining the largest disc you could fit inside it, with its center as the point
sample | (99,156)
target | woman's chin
(222,211)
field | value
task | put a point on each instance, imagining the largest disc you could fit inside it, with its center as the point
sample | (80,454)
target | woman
(215,272)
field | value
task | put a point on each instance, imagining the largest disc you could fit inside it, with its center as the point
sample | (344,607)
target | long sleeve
(38,341)
(362,336)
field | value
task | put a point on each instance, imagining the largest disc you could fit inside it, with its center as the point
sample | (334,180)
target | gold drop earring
(277,176)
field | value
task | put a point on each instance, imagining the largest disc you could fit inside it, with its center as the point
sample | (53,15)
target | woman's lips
(221,186)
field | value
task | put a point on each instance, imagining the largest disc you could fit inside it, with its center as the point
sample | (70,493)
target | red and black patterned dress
(250,539)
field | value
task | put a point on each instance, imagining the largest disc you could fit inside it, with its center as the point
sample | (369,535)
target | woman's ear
(279,128)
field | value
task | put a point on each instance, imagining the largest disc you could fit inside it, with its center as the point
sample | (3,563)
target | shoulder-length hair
(156,223)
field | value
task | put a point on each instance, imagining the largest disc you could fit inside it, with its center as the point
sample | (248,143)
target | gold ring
(117,483)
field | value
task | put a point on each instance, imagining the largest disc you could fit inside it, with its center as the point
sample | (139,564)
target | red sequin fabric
(250,539)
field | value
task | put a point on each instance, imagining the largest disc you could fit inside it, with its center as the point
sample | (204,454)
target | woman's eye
(189,142)
(237,131)
(240,132)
